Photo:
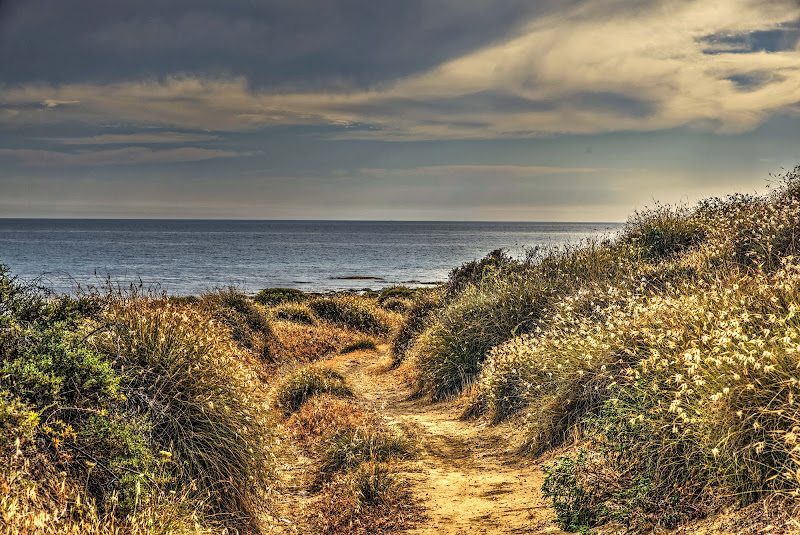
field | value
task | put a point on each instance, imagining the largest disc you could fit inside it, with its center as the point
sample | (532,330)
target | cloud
(483,171)
(591,67)
(273,43)
(142,137)
(114,157)
(51,103)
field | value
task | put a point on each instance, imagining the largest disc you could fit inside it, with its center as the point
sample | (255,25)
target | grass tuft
(306,382)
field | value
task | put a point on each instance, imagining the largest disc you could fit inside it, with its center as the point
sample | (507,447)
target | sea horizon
(192,256)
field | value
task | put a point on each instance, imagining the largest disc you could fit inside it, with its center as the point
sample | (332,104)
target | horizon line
(39,218)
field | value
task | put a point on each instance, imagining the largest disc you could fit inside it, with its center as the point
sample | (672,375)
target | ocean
(189,257)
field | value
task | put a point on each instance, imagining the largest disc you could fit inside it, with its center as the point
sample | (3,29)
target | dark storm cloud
(274,43)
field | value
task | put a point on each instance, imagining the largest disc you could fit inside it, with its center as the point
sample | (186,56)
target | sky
(505,110)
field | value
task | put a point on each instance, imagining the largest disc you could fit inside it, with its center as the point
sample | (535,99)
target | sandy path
(466,475)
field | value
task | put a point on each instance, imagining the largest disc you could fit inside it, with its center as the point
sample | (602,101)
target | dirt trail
(466,475)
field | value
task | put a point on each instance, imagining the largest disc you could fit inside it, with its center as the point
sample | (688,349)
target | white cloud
(589,70)
(52,103)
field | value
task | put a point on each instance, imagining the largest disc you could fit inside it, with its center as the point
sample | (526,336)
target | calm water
(189,257)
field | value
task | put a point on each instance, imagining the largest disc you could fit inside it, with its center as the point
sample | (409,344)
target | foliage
(362,344)
(352,312)
(298,313)
(663,231)
(449,354)
(576,505)
(204,406)
(295,389)
(277,296)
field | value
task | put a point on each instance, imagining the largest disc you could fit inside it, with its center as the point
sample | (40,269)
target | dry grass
(307,343)
(358,488)
(370,500)
(354,312)
(206,407)
(304,383)
(671,353)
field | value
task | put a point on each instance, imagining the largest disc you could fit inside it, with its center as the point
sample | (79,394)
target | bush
(473,273)
(204,406)
(396,292)
(306,382)
(298,313)
(578,506)
(449,354)
(347,449)
(362,344)
(350,311)
(70,400)
(663,231)
(424,304)
(277,296)
(248,325)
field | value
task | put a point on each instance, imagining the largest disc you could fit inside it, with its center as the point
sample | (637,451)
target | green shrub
(349,448)
(395,292)
(424,304)
(248,324)
(66,395)
(295,389)
(361,344)
(18,421)
(663,231)
(449,354)
(350,311)
(473,273)
(577,505)
(276,296)
(298,313)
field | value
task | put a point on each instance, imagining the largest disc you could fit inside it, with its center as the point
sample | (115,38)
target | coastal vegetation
(654,372)
(668,355)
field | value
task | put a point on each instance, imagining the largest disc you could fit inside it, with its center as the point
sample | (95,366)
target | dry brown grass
(359,490)
(371,500)
(323,416)
(307,343)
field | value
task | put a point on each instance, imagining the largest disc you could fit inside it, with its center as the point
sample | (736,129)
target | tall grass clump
(663,231)
(298,313)
(249,325)
(278,296)
(306,382)
(449,353)
(424,304)
(351,311)
(204,406)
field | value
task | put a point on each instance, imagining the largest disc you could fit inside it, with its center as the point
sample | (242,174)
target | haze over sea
(188,257)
